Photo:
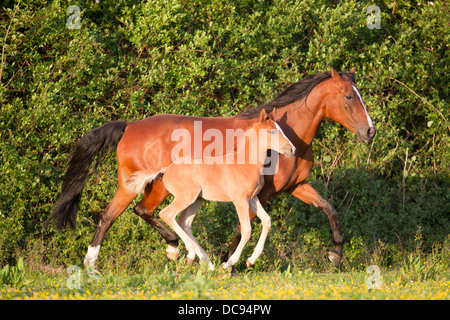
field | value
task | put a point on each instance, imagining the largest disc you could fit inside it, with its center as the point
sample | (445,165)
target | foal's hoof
(249,263)
(335,258)
(190,261)
(227,266)
(172,252)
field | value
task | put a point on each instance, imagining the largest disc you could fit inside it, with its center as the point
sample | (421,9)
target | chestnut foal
(235,177)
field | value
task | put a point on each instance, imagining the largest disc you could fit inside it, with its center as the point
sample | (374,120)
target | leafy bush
(11,235)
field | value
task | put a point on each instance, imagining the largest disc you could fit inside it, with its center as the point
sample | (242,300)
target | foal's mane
(295,92)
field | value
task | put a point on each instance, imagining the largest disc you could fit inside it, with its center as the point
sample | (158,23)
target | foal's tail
(137,181)
(96,142)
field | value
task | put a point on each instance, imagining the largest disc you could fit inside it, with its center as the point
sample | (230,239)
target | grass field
(190,282)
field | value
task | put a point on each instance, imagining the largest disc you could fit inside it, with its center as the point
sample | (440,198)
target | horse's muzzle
(367,136)
(371,132)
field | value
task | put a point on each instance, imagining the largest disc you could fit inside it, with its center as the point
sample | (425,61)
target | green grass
(413,275)
(193,282)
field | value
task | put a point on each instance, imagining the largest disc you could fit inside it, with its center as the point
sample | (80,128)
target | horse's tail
(96,142)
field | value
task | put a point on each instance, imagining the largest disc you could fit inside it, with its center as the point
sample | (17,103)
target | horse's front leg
(242,208)
(309,195)
(185,221)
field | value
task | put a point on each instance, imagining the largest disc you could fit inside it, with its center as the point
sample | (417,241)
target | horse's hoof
(335,258)
(249,264)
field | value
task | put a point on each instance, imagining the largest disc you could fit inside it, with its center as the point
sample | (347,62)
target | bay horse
(235,177)
(148,144)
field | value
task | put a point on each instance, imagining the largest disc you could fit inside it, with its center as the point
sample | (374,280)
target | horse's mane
(295,92)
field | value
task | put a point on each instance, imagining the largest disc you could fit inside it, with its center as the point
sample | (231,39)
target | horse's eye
(349,97)
(273,131)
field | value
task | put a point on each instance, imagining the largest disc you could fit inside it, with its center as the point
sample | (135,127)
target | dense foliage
(133,59)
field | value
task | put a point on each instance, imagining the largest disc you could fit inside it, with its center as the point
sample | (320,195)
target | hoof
(172,252)
(249,263)
(190,257)
(335,258)
(227,265)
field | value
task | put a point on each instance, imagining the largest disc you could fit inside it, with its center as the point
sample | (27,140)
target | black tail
(95,142)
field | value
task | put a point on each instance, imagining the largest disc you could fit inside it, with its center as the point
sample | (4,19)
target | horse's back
(148,143)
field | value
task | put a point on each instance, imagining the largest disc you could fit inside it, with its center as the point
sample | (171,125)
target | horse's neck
(303,120)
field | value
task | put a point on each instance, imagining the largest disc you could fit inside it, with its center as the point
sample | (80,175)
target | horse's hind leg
(154,195)
(169,213)
(117,205)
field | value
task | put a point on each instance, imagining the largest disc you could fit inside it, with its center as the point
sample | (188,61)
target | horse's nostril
(289,150)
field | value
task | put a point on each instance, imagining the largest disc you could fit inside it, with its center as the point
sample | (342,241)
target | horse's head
(346,107)
(276,139)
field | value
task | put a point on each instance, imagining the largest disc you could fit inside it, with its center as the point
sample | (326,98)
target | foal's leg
(154,194)
(262,196)
(256,206)
(242,208)
(185,221)
(169,213)
(117,205)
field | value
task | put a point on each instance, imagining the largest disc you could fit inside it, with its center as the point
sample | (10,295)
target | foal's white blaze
(91,256)
(369,121)
(279,128)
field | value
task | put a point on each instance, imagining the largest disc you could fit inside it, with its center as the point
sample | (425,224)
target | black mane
(295,92)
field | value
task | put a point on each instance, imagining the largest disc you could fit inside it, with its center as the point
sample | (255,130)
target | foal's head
(274,138)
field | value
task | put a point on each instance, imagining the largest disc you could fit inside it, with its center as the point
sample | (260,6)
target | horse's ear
(272,114)
(262,115)
(335,75)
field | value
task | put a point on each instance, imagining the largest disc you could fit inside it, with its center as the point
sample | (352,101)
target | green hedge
(130,60)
